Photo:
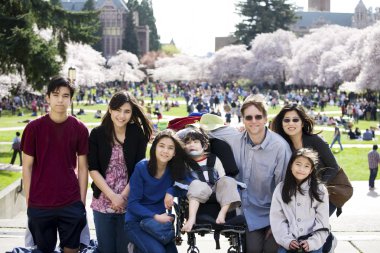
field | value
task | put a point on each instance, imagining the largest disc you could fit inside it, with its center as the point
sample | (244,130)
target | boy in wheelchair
(207,176)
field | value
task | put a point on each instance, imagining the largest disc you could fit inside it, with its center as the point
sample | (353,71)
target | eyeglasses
(250,117)
(294,120)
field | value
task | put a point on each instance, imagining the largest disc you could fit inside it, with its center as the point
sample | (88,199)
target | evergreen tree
(89,5)
(130,42)
(25,52)
(146,17)
(56,3)
(263,16)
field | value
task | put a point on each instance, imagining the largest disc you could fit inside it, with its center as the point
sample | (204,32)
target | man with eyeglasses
(262,157)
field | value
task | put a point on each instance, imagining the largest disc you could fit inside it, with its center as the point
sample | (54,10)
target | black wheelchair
(233,229)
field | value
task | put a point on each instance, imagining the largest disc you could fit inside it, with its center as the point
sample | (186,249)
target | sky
(194,24)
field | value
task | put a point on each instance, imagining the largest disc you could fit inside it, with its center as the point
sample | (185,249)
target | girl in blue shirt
(150,182)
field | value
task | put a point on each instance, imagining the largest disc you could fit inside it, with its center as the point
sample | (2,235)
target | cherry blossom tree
(180,68)
(7,82)
(227,63)
(124,66)
(308,53)
(369,77)
(270,54)
(89,64)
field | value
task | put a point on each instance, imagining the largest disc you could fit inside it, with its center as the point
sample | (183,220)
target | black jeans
(15,152)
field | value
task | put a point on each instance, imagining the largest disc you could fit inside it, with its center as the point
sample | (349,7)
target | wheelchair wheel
(192,250)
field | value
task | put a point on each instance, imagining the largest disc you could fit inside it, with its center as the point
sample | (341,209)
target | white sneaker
(334,243)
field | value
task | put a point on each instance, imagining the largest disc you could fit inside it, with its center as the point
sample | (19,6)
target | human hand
(169,201)
(294,245)
(118,202)
(163,218)
(304,245)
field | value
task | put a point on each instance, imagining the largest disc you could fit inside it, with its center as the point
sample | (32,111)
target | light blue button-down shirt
(261,167)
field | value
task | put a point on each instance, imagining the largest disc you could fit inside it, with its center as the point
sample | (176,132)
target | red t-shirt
(55,147)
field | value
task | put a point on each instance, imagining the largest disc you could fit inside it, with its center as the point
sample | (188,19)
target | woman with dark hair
(150,184)
(297,128)
(115,147)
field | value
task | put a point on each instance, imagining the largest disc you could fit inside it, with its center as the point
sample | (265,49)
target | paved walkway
(357,229)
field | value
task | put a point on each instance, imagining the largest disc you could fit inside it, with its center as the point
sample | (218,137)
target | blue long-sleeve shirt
(147,193)
(261,166)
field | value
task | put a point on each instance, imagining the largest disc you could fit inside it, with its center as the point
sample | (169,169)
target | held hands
(163,218)
(294,245)
(118,202)
(169,201)
(304,245)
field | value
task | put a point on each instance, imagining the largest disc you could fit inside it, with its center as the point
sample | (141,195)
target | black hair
(197,134)
(58,82)
(375,147)
(17,133)
(179,164)
(307,122)
(290,184)
(138,116)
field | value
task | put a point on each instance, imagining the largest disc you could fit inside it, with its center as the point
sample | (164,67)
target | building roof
(73,5)
(77,5)
(120,4)
(310,19)
(360,7)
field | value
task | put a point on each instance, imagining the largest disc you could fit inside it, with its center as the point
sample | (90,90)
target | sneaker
(371,188)
(333,244)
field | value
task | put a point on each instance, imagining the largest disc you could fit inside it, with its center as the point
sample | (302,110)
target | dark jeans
(372,177)
(144,242)
(336,139)
(283,250)
(256,242)
(110,232)
(15,152)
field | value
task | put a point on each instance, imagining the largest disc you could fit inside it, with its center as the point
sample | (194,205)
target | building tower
(319,5)
(361,18)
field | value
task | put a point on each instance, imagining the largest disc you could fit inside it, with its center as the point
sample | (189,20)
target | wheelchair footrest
(227,229)
(201,228)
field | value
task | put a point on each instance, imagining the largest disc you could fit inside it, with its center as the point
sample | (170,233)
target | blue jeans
(283,250)
(144,242)
(110,232)
(372,177)
(337,139)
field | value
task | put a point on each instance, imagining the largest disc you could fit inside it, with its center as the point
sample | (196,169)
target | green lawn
(6,154)
(8,177)
(354,162)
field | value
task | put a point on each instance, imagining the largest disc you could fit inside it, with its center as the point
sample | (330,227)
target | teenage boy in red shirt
(52,147)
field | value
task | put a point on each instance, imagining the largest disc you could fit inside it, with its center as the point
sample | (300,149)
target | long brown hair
(138,116)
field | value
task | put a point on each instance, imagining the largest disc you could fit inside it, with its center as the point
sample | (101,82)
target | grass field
(353,160)
(8,177)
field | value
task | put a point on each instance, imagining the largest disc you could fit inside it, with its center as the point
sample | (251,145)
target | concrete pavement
(357,229)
